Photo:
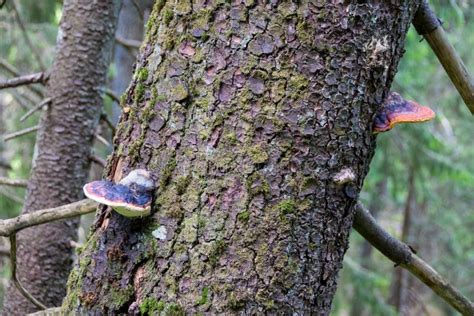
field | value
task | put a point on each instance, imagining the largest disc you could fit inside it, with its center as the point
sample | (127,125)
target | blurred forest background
(419,187)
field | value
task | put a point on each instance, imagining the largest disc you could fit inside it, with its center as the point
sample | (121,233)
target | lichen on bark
(261,105)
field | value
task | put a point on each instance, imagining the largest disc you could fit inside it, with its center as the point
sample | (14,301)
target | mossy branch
(403,255)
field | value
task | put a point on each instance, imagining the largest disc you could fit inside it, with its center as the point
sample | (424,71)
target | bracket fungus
(131,197)
(396,110)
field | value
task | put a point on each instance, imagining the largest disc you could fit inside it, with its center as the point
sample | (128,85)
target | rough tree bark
(255,117)
(61,165)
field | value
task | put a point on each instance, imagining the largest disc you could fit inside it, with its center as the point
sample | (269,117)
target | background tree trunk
(255,118)
(61,165)
(358,307)
(132,17)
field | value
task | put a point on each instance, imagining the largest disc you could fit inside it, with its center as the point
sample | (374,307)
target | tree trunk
(256,119)
(61,164)
(399,288)
(130,27)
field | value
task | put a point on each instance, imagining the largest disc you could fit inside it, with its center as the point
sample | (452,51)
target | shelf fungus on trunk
(396,110)
(131,197)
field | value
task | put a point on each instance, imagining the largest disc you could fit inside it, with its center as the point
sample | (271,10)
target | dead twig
(112,95)
(98,160)
(15,73)
(26,37)
(20,183)
(101,139)
(402,255)
(4,251)
(9,194)
(25,131)
(105,118)
(35,108)
(129,43)
(15,279)
(23,80)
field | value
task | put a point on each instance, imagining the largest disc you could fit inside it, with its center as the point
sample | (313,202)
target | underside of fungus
(131,197)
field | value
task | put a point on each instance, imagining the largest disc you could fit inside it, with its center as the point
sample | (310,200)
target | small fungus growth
(397,110)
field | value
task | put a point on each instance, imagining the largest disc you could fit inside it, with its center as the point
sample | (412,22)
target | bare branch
(13,225)
(104,117)
(13,182)
(101,139)
(15,279)
(35,108)
(5,251)
(25,131)
(402,255)
(22,100)
(112,95)
(427,24)
(26,37)
(26,79)
(129,43)
(14,72)
(98,160)
(9,194)
(9,67)
(4,164)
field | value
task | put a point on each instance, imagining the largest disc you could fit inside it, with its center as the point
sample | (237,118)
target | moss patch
(217,250)
(258,154)
(204,296)
(151,305)
(286,207)
(244,216)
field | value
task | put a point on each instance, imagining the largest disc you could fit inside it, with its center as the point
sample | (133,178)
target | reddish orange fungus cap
(397,110)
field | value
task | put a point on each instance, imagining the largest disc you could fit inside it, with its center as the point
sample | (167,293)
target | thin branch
(5,251)
(112,95)
(11,195)
(102,140)
(98,160)
(12,225)
(5,165)
(9,67)
(15,279)
(402,255)
(104,117)
(25,131)
(35,108)
(427,24)
(130,43)
(26,36)
(16,73)
(13,182)
(20,100)
(20,81)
